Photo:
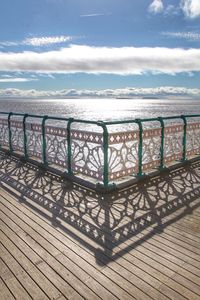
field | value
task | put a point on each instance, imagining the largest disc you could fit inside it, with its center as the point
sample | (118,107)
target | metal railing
(104,156)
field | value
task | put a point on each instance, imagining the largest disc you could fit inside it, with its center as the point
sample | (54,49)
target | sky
(99,48)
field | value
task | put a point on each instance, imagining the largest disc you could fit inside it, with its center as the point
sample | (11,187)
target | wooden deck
(61,241)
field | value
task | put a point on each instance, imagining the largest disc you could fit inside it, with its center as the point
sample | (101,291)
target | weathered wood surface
(61,241)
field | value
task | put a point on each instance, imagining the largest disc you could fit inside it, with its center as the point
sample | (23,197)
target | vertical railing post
(184,143)
(69,147)
(105,154)
(106,186)
(10,133)
(162,142)
(44,143)
(25,137)
(140,147)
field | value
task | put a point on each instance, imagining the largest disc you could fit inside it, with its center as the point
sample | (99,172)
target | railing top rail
(20,114)
(129,121)
(56,118)
(5,113)
(101,123)
(150,119)
(192,116)
(36,116)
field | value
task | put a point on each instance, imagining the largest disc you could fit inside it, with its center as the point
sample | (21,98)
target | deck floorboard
(61,241)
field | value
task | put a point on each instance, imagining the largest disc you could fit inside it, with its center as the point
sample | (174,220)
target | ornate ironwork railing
(100,155)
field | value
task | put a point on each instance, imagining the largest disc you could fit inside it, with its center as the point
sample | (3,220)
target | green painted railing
(105,146)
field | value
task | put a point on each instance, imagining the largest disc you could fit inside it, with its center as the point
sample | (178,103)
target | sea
(102,109)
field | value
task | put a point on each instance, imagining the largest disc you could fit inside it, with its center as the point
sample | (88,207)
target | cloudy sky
(58,48)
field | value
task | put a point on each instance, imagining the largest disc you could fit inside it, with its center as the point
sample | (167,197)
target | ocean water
(103,109)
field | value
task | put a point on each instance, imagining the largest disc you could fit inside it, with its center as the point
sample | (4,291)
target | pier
(61,238)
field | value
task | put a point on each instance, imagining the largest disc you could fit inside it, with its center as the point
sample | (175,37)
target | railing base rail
(99,187)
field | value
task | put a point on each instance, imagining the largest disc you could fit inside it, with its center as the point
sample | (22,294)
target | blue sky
(58,48)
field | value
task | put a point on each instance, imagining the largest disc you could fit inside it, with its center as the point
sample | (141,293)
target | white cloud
(103,60)
(15,79)
(38,41)
(191,8)
(156,7)
(8,44)
(90,15)
(166,91)
(190,36)
(45,41)
(93,15)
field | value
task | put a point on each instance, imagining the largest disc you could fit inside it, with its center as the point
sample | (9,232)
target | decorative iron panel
(87,147)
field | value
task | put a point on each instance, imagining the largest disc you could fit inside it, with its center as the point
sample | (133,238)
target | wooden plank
(57,266)
(26,281)
(32,269)
(190,223)
(164,274)
(124,295)
(146,243)
(83,258)
(12,283)
(157,249)
(5,292)
(176,251)
(152,258)
(76,270)
(150,278)
(141,259)
(175,264)
(183,235)
(125,274)
(151,243)
(158,241)
(138,280)
(186,228)
(128,284)
(183,246)
(181,238)
(188,284)
(186,281)
(162,262)
(183,279)
(100,277)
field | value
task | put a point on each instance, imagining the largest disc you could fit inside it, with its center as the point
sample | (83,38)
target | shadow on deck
(115,221)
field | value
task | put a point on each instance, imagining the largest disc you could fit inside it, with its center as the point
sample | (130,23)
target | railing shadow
(113,221)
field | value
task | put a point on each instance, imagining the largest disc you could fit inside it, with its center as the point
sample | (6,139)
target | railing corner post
(105,155)
(105,150)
